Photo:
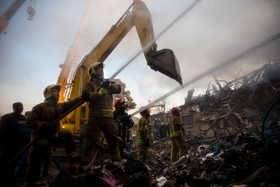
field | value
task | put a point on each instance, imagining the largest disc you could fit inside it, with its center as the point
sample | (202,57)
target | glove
(102,92)
(147,142)
(105,83)
(125,117)
(86,96)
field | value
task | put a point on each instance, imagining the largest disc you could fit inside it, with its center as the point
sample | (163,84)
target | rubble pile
(238,104)
(245,159)
(233,142)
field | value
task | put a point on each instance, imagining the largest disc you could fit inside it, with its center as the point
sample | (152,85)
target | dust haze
(213,32)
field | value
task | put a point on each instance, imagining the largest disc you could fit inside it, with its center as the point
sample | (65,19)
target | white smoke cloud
(214,31)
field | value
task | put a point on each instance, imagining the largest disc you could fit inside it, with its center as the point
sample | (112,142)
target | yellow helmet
(48,90)
(91,69)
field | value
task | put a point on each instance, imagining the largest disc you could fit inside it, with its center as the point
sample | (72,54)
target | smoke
(211,33)
(213,69)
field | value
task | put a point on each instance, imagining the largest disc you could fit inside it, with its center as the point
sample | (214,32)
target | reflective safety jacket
(101,105)
(143,130)
(175,127)
(43,114)
(124,123)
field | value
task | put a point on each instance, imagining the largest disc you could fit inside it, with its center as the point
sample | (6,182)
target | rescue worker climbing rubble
(100,96)
(143,137)
(178,144)
(124,124)
(47,133)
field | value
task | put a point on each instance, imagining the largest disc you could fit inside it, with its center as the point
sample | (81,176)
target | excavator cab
(165,62)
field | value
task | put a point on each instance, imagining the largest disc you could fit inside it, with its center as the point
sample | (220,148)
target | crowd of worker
(27,141)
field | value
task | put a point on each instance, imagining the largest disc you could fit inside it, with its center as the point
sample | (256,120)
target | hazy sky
(214,31)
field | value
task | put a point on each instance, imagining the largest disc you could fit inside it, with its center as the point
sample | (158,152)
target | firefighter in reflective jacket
(178,144)
(100,96)
(124,123)
(40,121)
(143,137)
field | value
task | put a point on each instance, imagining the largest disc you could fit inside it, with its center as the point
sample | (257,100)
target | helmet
(91,69)
(48,90)
(118,103)
(175,111)
(145,112)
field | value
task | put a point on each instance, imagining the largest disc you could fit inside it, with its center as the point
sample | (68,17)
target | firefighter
(100,96)
(14,136)
(40,120)
(143,137)
(124,124)
(178,144)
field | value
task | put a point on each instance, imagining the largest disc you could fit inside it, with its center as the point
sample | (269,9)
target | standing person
(40,120)
(100,93)
(14,136)
(162,130)
(143,137)
(178,144)
(124,124)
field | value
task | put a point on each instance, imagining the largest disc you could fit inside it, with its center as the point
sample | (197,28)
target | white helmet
(91,69)
(48,90)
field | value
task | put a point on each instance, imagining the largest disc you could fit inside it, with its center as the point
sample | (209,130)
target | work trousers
(94,127)
(178,148)
(40,148)
(142,152)
(7,176)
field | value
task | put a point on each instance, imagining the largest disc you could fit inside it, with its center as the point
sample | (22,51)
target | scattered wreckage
(233,142)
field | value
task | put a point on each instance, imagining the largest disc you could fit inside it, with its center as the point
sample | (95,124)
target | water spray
(212,70)
(189,9)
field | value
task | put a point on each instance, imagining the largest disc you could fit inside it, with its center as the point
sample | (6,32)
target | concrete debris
(232,133)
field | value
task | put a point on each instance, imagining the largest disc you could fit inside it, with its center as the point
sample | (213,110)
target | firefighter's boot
(74,165)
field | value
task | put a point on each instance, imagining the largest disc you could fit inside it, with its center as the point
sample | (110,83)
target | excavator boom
(163,61)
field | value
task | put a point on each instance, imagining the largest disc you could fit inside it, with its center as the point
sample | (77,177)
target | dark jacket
(101,105)
(41,116)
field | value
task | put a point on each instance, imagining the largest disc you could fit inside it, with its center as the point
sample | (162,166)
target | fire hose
(36,138)
(209,71)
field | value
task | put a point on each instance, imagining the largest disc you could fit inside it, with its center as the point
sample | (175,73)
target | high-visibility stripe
(172,150)
(119,138)
(116,156)
(139,140)
(174,133)
(73,154)
(26,184)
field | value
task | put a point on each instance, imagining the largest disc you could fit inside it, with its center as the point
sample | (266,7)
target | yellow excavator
(163,61)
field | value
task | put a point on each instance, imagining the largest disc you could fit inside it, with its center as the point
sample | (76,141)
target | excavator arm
(136,15)
(163,61)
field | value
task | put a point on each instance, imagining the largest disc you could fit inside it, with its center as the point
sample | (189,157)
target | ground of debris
(246,159)
(234,142)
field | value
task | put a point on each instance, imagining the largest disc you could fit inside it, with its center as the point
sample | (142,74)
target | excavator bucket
(166,62)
